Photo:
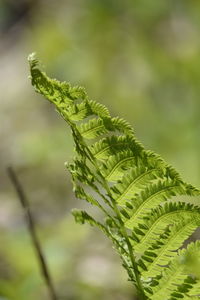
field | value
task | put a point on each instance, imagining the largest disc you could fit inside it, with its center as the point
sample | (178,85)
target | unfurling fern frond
(146,216)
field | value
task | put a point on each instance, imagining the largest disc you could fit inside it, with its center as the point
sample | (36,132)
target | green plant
(134,188)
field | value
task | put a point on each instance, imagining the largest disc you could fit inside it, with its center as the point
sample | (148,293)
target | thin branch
(31,227)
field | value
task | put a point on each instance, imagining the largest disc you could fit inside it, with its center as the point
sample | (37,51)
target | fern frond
(82,216)
(99,126)
(188,290)
(93,128)
(133,187)
(153,195)
(161,217)
(54,90)
(116,165)
(81,194)
(162,251)
(195,289)
(132,182)
(107,146)
(174,275)
(80,111)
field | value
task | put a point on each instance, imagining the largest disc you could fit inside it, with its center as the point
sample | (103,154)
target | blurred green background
(142,60)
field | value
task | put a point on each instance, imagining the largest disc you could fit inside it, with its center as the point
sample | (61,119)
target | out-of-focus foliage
(140,58)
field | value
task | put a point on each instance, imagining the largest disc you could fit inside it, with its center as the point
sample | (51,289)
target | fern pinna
(134,188)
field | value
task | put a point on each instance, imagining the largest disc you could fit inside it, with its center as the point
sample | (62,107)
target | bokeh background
(142,60)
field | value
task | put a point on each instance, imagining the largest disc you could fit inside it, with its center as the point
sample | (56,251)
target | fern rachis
(146,227)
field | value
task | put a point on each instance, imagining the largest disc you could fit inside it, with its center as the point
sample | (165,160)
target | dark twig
(31,227)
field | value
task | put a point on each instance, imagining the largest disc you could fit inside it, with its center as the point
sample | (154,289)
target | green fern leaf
(157,221)
(133,187)
(80,111)
(152,196)
(174,275)
(107,146)
(162,251)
